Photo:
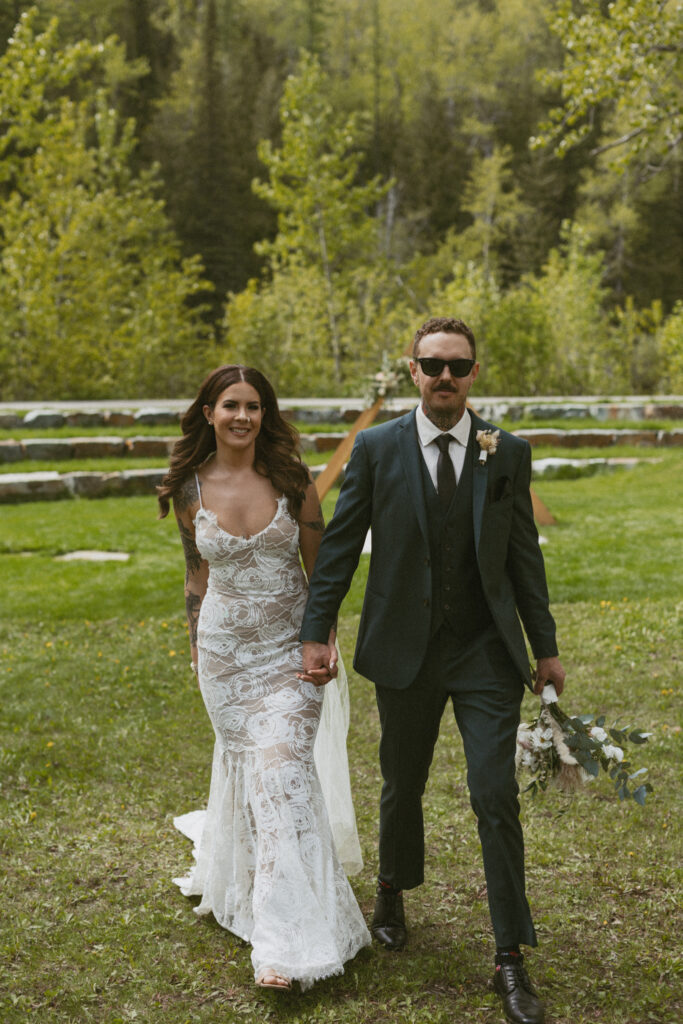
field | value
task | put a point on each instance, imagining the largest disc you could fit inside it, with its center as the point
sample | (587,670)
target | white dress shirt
(427,432)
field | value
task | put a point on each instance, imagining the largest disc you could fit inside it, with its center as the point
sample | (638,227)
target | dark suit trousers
(486,692)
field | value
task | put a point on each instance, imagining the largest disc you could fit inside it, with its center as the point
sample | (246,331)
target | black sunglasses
(433,367)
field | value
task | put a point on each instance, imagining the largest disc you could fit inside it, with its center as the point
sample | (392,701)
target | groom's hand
(549,670)
(320,663)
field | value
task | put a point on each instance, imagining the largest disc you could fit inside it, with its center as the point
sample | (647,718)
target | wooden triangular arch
(340,456)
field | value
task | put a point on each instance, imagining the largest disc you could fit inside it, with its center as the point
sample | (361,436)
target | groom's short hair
(447,324)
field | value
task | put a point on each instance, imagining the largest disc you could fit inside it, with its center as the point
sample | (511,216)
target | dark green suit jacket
(383,490)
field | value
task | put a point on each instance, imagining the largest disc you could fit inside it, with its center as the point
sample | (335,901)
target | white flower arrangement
(569,752)
(389,378)
(488,442)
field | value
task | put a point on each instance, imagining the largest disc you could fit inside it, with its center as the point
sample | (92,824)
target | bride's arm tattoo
(193,603)
(316,524)
(186,496)
(193,560)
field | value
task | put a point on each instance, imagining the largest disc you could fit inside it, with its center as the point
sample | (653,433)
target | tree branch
(617,142)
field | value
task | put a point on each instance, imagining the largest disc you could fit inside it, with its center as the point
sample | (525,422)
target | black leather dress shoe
(520,1001)
(388,922)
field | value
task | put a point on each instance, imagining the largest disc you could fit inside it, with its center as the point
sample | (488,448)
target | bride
(279,823)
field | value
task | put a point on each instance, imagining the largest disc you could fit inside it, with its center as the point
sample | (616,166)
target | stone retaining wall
(49,486)
(347,410)
(51,450)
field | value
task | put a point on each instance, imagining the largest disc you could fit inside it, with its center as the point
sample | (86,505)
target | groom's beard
(444,419)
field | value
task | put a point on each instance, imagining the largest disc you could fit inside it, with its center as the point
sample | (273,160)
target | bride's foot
(267,977)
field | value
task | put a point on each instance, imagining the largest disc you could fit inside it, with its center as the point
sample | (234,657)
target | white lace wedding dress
(266,863)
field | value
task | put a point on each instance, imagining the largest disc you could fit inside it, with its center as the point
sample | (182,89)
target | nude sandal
(267,977)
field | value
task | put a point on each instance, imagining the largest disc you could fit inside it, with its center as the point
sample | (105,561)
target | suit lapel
(480,476)
(409,448)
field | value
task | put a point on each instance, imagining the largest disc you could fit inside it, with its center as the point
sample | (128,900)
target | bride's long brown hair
(277,455)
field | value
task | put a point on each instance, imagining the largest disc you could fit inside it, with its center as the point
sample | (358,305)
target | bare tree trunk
(331,316)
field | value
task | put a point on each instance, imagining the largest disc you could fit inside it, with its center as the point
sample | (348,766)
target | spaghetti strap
(199,490)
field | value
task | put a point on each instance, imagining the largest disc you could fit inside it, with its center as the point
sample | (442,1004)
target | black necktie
(445,474)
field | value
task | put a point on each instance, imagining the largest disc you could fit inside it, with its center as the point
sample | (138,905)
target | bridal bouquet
(566,751)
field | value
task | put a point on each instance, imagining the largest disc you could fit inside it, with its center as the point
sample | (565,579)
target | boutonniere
(488,442)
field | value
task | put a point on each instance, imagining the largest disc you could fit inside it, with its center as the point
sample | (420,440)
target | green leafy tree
(220,101)
(93,296)
(493,200)
(622,90)
(549,333)
(514,341)
(670,350)
(624,65)
(326,262)
(586,356)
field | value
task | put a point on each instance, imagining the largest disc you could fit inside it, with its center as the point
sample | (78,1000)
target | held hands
(549,670)
(320,661)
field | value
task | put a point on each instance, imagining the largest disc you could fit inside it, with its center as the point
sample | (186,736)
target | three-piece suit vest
(457,593)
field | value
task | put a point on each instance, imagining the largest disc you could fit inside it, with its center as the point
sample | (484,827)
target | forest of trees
(299,183)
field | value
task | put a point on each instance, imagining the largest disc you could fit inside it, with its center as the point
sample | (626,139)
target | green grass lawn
(105,738)
(65,432)
(107,464)
(116,464)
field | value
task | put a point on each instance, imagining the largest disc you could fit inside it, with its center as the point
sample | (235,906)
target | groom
(455,560)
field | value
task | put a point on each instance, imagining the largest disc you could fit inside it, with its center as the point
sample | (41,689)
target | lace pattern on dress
(266,863)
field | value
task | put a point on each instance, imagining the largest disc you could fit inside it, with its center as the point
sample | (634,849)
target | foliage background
(299,184)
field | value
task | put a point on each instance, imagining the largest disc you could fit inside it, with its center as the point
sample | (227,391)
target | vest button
(447,607)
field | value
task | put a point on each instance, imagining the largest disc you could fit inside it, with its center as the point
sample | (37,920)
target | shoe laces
(514,975)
